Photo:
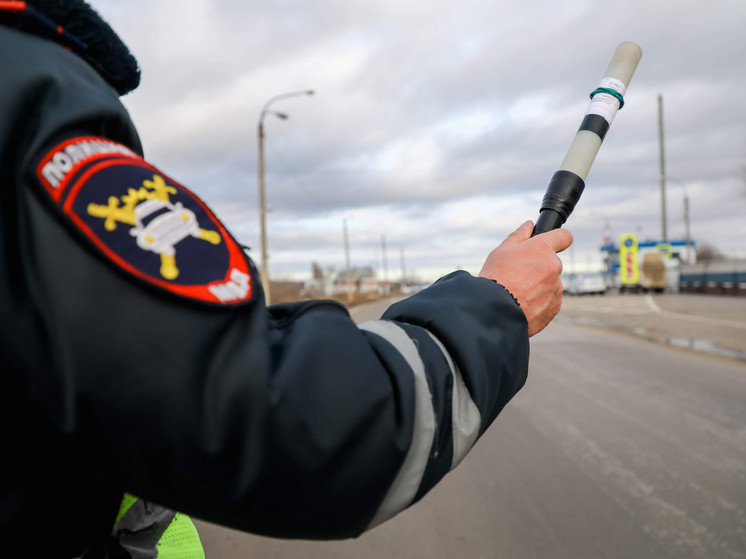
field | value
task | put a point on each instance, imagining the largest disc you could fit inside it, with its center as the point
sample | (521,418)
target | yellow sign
(629,267)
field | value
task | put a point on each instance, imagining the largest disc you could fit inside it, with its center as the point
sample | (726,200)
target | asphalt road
(708,323)
(616,448)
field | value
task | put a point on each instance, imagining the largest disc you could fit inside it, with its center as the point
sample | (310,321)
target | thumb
(557,239)
(523,233)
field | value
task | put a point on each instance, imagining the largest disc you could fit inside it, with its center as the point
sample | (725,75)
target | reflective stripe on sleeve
(408,480)
(465,417)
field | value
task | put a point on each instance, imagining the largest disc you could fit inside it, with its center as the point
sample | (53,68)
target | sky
(437,125)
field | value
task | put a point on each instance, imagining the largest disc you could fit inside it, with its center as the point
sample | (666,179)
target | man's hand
(530,269)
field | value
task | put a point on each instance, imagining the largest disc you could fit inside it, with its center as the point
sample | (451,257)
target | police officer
(138,357)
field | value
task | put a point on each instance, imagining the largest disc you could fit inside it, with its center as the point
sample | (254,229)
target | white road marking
(640,306)
(649,300)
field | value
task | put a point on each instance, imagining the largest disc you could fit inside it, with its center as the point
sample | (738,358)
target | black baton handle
(562,194)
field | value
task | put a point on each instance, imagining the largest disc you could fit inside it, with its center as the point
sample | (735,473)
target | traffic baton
(567,184)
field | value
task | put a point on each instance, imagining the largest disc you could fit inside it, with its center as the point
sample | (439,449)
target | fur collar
(104,50)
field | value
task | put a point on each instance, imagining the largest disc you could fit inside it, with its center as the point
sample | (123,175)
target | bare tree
(708,253)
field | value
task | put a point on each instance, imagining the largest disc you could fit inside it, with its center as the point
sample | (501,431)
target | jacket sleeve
(289,421)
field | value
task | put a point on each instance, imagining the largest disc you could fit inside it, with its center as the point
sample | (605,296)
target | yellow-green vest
(149,531)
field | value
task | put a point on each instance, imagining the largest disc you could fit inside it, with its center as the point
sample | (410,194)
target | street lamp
(263,272)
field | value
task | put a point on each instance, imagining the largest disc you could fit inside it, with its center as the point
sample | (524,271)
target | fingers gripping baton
(567,184)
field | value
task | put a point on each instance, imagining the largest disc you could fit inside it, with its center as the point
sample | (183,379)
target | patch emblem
(144,222)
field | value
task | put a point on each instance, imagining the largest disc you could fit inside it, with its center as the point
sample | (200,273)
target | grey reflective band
(407,481)
(141,528)
(466,420)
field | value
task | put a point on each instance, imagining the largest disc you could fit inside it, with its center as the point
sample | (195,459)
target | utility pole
(347,248)
(403,266)
(664,234)
(686,227)
(385,263)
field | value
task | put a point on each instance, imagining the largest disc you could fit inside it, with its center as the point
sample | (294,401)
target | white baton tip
(624,62)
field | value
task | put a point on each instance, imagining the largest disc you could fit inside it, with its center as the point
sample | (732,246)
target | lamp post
(263,272)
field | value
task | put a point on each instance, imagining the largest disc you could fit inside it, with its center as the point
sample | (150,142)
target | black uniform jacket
(138,355)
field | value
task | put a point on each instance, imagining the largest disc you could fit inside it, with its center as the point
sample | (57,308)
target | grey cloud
(393,77)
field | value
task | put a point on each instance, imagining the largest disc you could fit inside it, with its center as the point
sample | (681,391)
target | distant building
(328,282)
(675,253)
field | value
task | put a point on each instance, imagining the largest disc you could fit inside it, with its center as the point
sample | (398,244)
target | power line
(294,175)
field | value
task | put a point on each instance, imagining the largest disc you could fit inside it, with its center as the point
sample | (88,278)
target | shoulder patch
(144,222)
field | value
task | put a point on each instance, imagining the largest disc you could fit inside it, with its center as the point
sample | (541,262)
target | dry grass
(288,292)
